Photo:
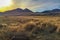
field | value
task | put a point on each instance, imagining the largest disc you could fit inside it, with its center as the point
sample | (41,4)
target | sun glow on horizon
(4,3)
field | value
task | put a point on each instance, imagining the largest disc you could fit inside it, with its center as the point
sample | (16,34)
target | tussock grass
(29,28)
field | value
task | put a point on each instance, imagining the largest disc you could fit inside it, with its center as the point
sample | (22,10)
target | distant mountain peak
(56,10)
(15,10)
(27,10)
(18,10)
(51,11)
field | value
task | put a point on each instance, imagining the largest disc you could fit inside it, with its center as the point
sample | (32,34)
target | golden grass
(18,23)
(21,21)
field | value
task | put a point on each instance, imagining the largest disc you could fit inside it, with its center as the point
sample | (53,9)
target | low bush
(48,28)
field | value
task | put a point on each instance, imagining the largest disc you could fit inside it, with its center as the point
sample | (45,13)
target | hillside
(27,12)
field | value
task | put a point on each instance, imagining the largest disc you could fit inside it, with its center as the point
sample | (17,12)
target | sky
(34,5)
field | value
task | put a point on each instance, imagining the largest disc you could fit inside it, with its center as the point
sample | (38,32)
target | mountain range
(27,12)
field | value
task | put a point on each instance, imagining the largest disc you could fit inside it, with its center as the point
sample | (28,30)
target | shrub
(20,36)
(1,26)
(30,27)
(48,27)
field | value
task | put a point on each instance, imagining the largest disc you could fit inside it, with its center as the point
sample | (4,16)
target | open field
(23,20)
(11,26)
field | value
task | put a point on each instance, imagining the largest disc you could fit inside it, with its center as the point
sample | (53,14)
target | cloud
(36,5)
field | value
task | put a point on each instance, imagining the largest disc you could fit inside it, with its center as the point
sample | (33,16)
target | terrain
(24,24)
(28,12)
(29,28)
